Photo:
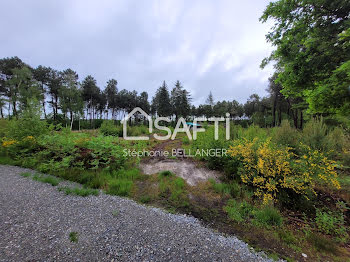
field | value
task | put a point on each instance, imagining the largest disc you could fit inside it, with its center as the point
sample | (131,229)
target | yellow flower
(8,143)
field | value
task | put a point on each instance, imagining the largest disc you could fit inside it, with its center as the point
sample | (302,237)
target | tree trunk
(301,119)
(44,108)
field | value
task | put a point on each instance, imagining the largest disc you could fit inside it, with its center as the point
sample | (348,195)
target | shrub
(286,135)
(28,125)
(331,223)
(109,129)
(270,169)
(314,135)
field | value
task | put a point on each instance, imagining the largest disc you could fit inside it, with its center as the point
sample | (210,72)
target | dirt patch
(183,168)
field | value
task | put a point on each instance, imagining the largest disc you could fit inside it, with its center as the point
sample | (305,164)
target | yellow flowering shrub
(7,143)
(269,168)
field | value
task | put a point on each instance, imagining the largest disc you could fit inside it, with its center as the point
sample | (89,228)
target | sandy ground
(184,168)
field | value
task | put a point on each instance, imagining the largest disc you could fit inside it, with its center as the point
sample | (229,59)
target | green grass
(120,187)
(25,174)
(145,199)
(115,213)
(165,173)
(232,188)
(77,191)
(73,237)
(46,179)
(268,216)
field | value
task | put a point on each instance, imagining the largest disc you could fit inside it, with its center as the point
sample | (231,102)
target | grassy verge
(77,191)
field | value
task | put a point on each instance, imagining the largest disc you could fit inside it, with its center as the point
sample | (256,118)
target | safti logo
(186,126)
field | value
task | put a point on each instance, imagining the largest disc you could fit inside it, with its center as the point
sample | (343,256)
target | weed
(145,199)
(331,223)
(73,237)
(165,173)
(46,179)
(25,174)
(115,213)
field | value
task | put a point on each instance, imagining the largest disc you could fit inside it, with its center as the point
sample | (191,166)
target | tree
(180,101)
(161,102)
(42,75)
(7,65)
(21,88)
(70,95)
(54,85)
(311,40)
(90,94)
(111,92)
(210,99)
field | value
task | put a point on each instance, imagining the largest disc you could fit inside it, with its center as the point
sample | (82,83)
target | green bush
(331,223)
(3,127)
(314,135)
(109,129)
(28,125)
(286,135)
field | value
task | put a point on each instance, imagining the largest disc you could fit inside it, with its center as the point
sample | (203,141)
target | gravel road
(36,220)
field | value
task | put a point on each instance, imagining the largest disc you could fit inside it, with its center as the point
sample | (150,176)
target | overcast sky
(208,45)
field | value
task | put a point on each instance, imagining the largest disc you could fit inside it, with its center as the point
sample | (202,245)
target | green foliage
(29,124)
(121,182)
(312,52)
(239,211)
(109,129)
(3,127)
(233,189)
(25,174)
(174,190)
(314,134)
(322,243)
(46,179)
(331,223)
(286,135)
(73,237)
(165,173)
(83,192)
(119,187)
(268,216)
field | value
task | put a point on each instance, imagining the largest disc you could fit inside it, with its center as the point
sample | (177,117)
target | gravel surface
(36,220)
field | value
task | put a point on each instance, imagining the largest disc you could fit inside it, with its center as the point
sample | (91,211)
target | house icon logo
(130,115)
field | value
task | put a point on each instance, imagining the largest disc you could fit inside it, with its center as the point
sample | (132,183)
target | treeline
(68,98)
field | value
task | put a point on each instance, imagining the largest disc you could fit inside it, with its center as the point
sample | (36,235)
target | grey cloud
(209,46)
